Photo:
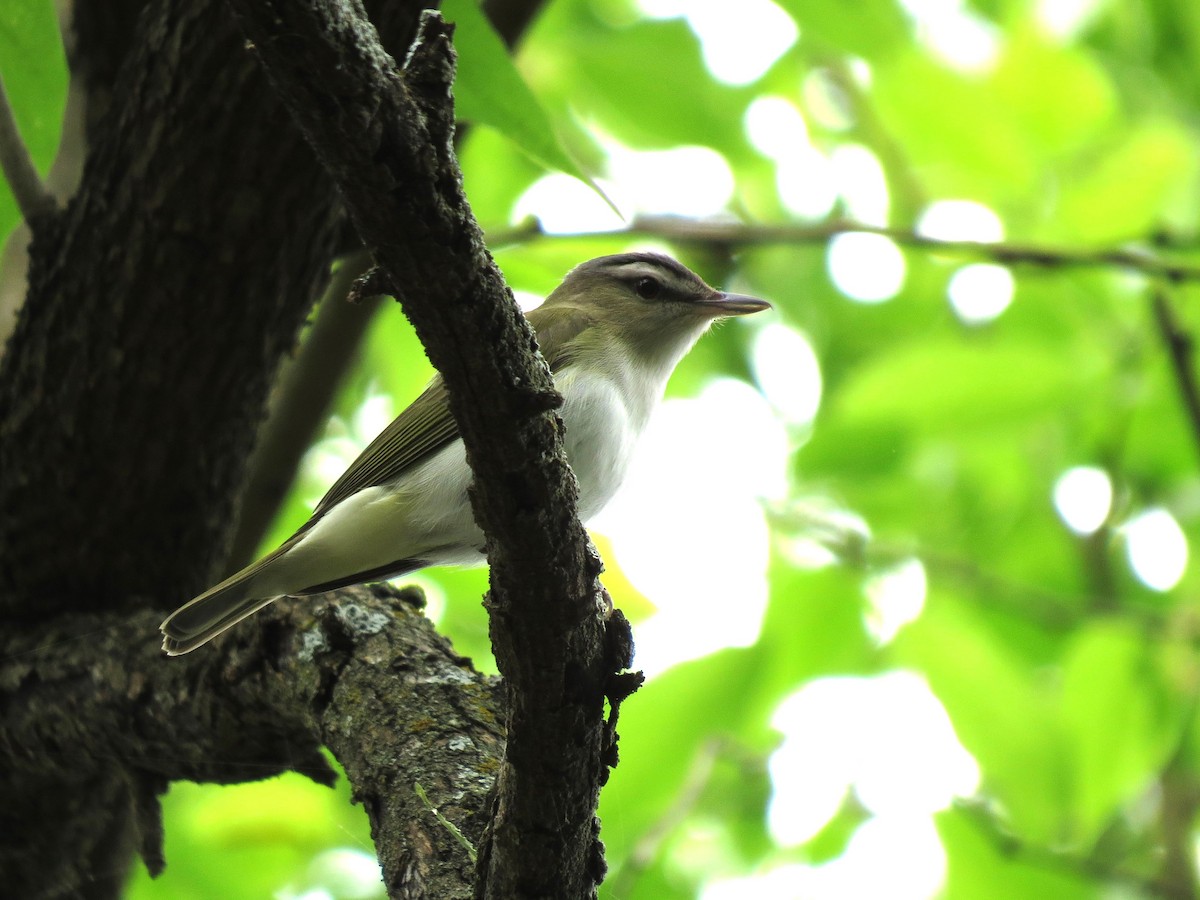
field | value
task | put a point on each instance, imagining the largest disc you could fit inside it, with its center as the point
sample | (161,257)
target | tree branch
(386,141)
(338,672)
(737,234)
(31,195)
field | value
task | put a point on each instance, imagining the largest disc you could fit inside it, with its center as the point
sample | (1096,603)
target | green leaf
(490,91)
(982,865)
(496,172)
(956,385)
(1069,101)
(869,28)
(1129,186)
(950,124)
(806,602)
(645,84)
(34,72)
(1120,727)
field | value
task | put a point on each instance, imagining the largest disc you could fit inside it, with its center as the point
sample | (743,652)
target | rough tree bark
(160,301)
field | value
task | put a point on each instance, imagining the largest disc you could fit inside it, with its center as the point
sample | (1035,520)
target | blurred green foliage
(34,74)
(1071,682)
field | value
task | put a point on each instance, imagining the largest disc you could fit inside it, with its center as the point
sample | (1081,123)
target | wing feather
(426,425)
(423,428)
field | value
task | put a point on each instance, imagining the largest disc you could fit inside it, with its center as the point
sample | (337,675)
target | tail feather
(204,618)
(220,608)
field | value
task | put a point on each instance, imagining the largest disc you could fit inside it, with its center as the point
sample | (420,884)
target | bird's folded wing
(422,429)
(426,426)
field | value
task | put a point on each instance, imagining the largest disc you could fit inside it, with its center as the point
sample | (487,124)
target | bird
(612,333)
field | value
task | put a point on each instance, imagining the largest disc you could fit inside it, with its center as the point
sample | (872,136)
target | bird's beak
(732,305)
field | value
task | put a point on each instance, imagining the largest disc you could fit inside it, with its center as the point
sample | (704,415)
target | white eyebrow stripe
(640,269)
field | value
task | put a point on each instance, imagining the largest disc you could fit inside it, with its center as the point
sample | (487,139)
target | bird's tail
(214,611)
(246,592)
(221,607)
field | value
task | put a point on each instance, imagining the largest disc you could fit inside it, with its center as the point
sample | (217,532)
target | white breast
(602,431)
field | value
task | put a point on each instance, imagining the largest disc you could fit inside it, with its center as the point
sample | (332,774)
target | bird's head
(651,304)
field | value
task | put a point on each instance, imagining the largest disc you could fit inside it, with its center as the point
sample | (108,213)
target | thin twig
(31,195)
(688,231)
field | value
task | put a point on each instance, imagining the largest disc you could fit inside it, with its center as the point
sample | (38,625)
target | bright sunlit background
(702,557)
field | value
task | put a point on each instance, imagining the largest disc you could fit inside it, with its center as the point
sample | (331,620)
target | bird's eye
(648,288)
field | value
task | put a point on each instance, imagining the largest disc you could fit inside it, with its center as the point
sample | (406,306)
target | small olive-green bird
(612,333)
